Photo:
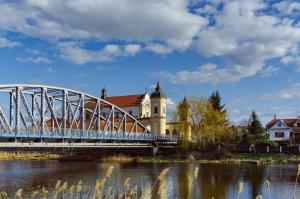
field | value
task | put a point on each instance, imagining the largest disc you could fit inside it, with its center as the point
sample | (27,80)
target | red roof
(290,122)
(122,101)
(125,101)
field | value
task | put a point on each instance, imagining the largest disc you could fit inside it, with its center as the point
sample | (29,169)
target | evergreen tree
(215,100)
(256,132)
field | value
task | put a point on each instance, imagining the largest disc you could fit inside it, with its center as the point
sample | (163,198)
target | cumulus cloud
(241,33)
(159,48)
(245,38)
(269,71)
(7,43)
(76,54)
(290,93)
(295,60)
(241,116)
(165,20)
(35,60)
(288,7)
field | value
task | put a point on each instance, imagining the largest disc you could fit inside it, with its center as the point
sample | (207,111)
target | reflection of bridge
(45,114)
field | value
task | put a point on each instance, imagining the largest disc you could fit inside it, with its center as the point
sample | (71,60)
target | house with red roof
(284,130)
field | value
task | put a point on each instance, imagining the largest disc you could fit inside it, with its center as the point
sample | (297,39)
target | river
(213,180)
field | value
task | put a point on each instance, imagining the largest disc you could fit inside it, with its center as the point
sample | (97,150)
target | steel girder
(45,111)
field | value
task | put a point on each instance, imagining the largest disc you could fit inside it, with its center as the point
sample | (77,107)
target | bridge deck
(91,136)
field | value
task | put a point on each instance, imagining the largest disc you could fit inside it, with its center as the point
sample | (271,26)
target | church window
(155,110)
(167,132)
(174,132)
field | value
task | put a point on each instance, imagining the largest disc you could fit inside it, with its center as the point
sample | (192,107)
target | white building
(150,110)
(284,130)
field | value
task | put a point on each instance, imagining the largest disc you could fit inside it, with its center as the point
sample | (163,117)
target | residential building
(284,130)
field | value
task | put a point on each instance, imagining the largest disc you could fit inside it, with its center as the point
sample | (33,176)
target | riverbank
(28,156)
(236,158)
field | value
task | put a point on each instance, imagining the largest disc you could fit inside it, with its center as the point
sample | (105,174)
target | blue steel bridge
(47,116)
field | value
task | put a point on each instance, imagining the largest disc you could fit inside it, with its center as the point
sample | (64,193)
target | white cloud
(74,53)
(241,33)
(35,60)
(7,43)
(207,73)
(50,70)
(241,116)
(290,93)
(269,71)
(159,48)
(164,20)
(241,36)
(287,7)
(295,60)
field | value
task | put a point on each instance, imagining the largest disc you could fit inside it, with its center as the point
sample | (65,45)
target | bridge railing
(59,133)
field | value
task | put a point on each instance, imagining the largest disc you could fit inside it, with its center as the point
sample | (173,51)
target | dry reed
(298,172)
(240,189)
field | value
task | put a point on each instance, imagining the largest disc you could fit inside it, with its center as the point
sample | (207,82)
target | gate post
(280,149)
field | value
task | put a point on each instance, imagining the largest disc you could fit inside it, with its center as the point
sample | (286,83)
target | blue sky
(248,50)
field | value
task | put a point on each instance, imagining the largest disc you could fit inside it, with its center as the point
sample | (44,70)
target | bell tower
(158,111)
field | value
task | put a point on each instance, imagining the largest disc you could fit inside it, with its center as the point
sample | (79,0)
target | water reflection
(214,180)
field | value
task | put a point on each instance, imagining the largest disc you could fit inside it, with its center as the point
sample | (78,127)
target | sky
(247,49)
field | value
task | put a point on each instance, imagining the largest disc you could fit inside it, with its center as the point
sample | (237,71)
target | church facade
(149,109)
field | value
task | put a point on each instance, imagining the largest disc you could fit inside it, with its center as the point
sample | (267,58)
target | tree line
(211,126)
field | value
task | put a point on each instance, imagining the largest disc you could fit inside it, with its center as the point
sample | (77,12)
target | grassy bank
(28,156)
(236,158)
(267,158)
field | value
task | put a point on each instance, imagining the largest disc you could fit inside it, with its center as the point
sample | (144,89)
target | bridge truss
(46,112)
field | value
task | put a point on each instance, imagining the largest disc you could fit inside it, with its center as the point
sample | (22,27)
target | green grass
(274,158)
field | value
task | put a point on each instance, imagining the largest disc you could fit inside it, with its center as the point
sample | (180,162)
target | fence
(269,149)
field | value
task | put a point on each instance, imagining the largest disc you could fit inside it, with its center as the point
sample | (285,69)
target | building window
(104,114)
(167,132)
(279,134)
(155,110)
(117,115)
(130,113)
(174,132)
(279,125)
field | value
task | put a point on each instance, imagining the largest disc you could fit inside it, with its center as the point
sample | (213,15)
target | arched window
(155,110)
(174,132)
(167,132)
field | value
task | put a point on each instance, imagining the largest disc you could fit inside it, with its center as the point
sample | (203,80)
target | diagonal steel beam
(28,110)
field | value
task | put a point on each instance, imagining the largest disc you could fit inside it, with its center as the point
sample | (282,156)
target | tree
(215,100)
(209,126)
(256,133)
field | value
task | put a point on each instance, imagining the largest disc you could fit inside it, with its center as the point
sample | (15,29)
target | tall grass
(102,189)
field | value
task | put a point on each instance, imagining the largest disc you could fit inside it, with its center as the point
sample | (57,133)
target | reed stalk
(18,194)
(240,189)
(268,187)
(296,182)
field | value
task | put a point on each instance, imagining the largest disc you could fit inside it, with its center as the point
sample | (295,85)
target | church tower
(158,111)
(184,110)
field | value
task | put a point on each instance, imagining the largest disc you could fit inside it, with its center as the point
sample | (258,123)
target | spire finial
(157,87)
(103,93)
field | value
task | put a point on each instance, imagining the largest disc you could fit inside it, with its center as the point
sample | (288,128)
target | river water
(214,180)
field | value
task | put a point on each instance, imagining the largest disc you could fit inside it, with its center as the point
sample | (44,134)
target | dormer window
(279,124)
